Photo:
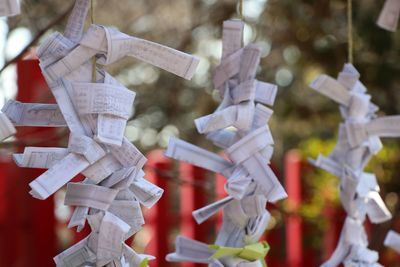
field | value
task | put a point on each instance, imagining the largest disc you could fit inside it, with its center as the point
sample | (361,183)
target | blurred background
(299,40)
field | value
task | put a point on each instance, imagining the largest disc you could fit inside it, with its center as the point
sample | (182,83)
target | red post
(28,235)
(293,222)
(3,191)
(193,195)
(332,231)
(158,218)
(220,193)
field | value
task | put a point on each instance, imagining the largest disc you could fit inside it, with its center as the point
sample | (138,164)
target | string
(350,30)
(241,9)
(94,58)
(92,11)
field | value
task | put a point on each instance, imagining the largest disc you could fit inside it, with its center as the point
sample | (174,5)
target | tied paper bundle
(358,140)
(9,8)
(96,114)
(389,16)
(239,127)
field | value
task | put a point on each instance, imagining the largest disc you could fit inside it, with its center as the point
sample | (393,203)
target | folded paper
(389,16)
(9,8)
(358,140)
(239,127)
(95,112)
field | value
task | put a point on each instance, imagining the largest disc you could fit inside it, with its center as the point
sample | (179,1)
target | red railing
(28,226)
(197,188)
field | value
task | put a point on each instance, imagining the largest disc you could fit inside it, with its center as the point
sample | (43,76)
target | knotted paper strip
(239,127)
(392,240)
(389,16)
(359,139)
(9,8)
(96,113)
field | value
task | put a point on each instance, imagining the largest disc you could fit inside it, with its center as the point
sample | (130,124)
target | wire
(38,36)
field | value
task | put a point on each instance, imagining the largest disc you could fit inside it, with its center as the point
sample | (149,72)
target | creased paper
(96,113)
(392,240)
(9,8)
(358,140)
(6,127)
(239,126)
(389,16)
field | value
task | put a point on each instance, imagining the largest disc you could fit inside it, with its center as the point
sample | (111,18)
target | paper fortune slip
(6,127)
(9,8)
(109,199)
(389,16)
(392,240)
(239,127)
(358,140)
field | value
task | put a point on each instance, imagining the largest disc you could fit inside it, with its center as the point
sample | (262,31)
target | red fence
(28,226)
(196,189)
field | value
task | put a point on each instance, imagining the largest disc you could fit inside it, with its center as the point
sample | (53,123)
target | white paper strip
(190,250)
(108,248)
(75,255)
(358,142)
(40,157)
(9,8)
(76,21)
(206,212)
(103,168)
(33,114)
(96,113)
(147,193)
(58,175)
(251,143)
(332,89)
(392,240)
(181,150)
(376,208)
(232,37)
(87,195)
(239,127)
(6,127)
(120,45)
(389,16)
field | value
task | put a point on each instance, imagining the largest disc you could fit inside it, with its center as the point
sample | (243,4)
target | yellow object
(252,252)
(144,262)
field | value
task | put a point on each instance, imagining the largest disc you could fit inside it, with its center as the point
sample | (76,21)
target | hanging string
(241,9)
(92,11)
(94,57)
(350,30)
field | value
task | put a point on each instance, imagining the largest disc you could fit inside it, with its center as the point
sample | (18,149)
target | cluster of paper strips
(239,127)
(96,113)
(9,8)
(358,140)
(389,16)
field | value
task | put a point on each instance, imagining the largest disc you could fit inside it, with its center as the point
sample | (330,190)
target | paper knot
(86,147)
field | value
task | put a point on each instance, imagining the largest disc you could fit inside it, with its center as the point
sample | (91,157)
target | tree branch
(56,21)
